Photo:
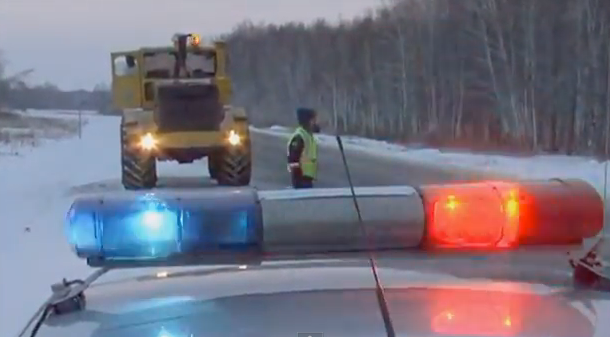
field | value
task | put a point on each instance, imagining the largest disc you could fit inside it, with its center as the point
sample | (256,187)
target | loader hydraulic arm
(181,54)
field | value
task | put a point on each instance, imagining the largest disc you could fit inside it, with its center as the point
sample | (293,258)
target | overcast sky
(68,41)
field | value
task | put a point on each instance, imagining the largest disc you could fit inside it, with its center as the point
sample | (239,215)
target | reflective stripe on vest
(309,156)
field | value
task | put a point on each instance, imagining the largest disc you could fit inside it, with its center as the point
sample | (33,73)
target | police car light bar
(220,226)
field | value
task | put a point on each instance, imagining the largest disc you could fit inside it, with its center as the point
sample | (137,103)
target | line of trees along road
(15,93)
(510,74)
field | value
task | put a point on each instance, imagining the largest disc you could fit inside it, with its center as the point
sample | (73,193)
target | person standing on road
(303,150)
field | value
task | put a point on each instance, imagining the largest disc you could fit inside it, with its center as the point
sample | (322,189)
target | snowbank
(537,167)
(34,188)
(21,131)
(38,186)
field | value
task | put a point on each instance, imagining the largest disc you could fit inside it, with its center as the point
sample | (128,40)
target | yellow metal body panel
(139,116)
(224,88)
(182,140)
(142,121)
(126,87)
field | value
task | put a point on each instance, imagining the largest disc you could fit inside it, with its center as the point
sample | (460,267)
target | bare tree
(511,74)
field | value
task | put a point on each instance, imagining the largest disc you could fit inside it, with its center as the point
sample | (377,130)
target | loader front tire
(138,170)
(234,166)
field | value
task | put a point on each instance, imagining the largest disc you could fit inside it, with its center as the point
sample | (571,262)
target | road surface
(269,170)
(365,169)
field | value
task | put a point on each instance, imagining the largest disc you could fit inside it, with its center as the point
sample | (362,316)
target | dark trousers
(300,181)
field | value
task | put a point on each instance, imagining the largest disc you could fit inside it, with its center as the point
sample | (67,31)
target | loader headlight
(148,142)
(234,138)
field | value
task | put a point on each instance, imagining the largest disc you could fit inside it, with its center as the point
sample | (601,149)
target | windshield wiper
(67,296)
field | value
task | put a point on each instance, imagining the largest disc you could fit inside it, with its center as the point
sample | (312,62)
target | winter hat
(304,115)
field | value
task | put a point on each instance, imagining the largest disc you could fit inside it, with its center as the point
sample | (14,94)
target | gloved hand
(293,166)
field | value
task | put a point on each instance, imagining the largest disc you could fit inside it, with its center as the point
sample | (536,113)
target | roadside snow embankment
(38,182)
(33,183)
(20,132)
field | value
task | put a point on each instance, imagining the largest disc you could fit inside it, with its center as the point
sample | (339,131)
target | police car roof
(336,298)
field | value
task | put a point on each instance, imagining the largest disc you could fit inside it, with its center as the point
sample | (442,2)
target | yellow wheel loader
(176,106)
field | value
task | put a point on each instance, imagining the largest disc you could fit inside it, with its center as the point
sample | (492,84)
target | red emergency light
(504,215)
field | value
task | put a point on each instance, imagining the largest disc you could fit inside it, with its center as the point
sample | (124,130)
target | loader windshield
(125,65)
(199,64)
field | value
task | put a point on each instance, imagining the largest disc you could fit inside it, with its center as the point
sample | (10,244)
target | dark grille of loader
(188,107)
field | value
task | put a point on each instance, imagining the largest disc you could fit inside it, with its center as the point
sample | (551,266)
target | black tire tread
(235,167)
(137,172)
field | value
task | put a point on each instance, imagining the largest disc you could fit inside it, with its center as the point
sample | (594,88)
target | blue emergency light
(152,227)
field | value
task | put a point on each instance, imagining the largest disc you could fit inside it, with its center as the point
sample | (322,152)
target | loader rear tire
(138,170)
(235,166)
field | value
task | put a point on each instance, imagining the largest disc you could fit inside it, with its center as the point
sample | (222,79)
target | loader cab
(137,73)
(126,93)
(160,65)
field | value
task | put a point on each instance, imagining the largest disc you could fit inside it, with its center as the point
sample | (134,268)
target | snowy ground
(39,179)
(20,132)
(37,186)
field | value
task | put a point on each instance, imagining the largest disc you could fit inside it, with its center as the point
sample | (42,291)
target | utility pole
(80,119)
(80,123)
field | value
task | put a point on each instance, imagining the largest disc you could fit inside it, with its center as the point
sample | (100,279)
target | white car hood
(337,299)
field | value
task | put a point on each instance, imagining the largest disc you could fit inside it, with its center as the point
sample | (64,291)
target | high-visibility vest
(309,156)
